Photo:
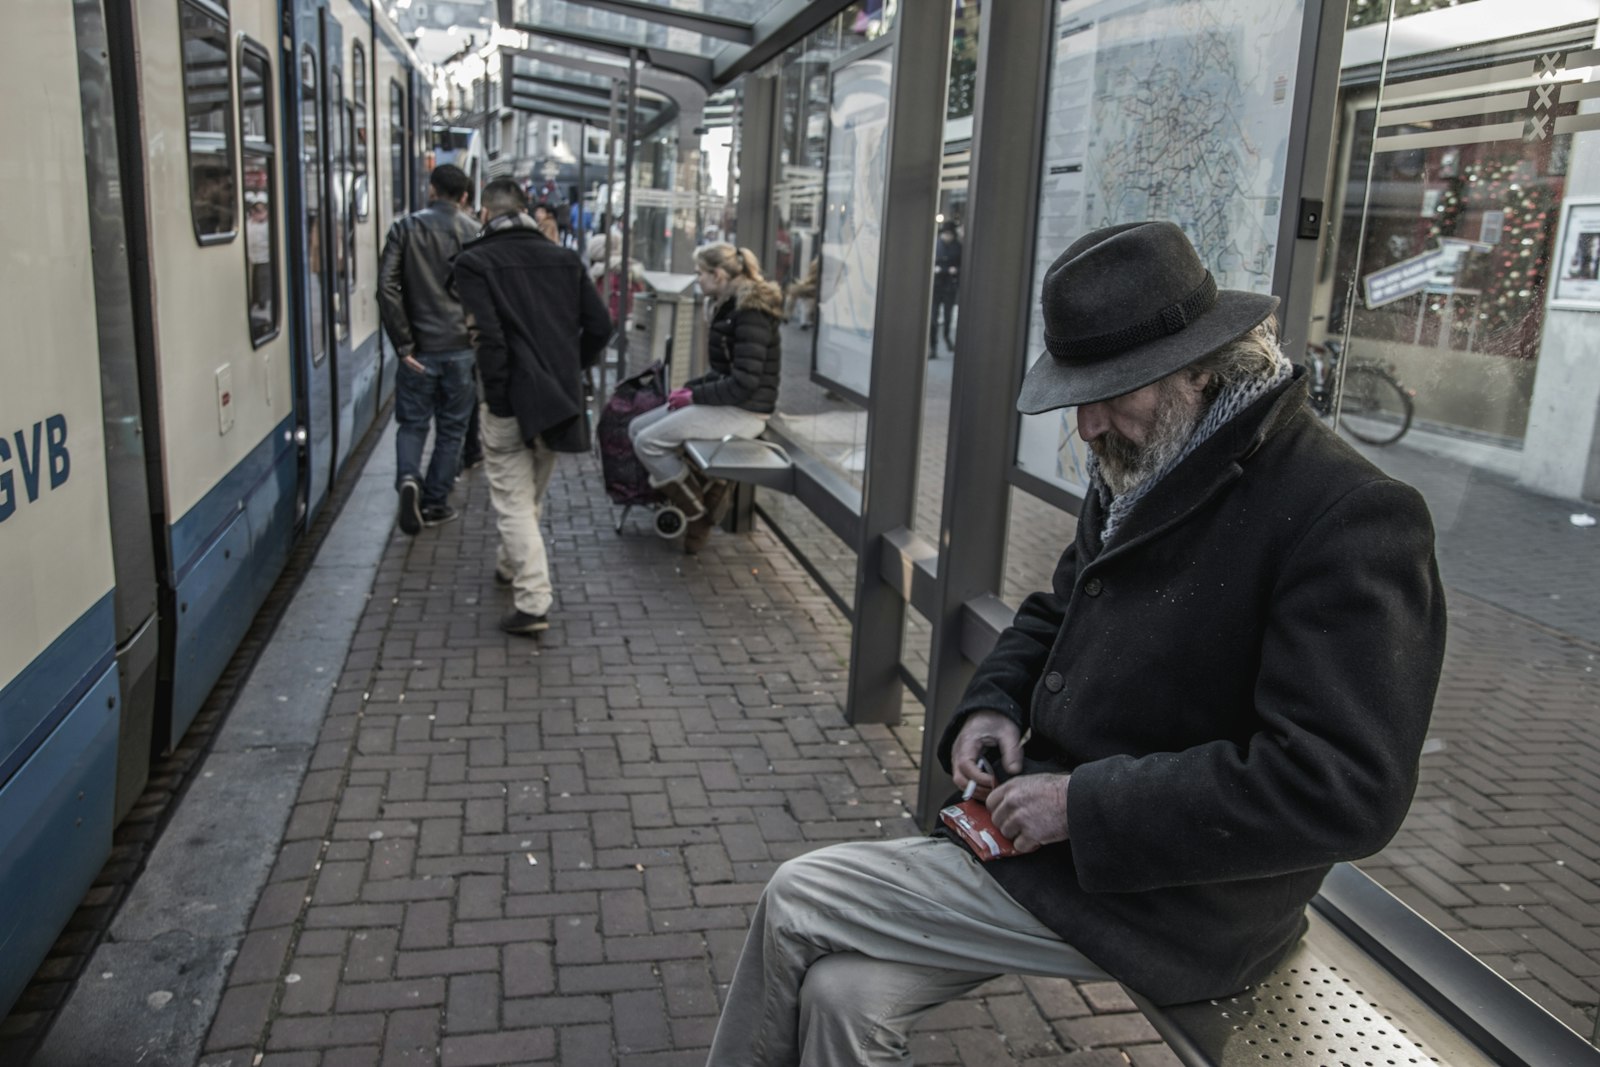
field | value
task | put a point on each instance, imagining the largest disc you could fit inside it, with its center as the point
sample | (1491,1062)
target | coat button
(1053,682)
(1092,587)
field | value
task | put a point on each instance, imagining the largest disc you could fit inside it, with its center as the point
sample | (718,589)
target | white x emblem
(1549,64)
(1536,128)
(1544,92)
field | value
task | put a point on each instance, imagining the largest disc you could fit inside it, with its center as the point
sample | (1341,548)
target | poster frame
(1582,212)
(867,50)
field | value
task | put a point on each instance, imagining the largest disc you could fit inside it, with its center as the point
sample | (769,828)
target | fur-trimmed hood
(765,296)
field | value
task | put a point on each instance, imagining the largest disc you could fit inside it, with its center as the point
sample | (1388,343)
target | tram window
(358,146)
(208,104)
(397,147)
(311,184)
(260,191)
(338,148)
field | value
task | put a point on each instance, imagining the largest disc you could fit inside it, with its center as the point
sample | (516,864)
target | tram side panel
(58,678)
(225,396)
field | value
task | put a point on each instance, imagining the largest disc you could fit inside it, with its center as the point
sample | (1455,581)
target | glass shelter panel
(1162,109)
(825,421)
(573,17)
(1454,326)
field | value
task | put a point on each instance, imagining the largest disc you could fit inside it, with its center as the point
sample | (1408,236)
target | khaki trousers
(518,478)
(853,943)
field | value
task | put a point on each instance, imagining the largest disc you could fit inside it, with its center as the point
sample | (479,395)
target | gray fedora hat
(1126,306)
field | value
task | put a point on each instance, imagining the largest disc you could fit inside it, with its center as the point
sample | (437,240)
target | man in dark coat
(536,323)
(1224,693)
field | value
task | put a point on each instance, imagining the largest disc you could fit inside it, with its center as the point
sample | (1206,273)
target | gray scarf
(518,220)
(1230,401)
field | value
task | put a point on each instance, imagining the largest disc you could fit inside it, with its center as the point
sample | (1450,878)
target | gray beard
(1125,466)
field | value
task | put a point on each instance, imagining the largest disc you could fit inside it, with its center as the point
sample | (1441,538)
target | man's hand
(985,729)
(1031,810)
(414,363)
(680,398)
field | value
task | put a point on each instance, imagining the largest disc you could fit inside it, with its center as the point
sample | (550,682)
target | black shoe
(439,514)
(520,622)
(410,513)
(502,579)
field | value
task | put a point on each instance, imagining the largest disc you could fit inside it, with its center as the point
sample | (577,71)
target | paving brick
(510,1046)
(372,955)
(241,1016)
(472,1003)
(261,956)
(310,985)
(448,961)
(411,1038)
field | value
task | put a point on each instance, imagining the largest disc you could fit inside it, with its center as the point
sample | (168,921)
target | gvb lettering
(33,460)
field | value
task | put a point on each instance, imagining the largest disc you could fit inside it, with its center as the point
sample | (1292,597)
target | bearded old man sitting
(1224,693)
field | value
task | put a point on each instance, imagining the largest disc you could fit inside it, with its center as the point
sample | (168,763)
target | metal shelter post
(625,282)
(1013,71)
(899,350)
(755,225)
(583,189)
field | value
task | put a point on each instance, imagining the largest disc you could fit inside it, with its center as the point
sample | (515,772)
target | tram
(187,276)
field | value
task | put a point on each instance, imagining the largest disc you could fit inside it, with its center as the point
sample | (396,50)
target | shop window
(258,152)
(208,107)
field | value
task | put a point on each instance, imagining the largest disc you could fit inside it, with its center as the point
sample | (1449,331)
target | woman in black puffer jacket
(736,396)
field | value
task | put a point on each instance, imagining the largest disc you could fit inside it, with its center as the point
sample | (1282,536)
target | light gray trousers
(518,478)
(658,435)
(851,944)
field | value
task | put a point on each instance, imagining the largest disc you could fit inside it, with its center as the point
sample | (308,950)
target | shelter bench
(1371,984)
(742,459)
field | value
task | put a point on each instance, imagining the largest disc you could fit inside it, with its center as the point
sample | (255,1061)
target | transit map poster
(852,224)
(1162,109)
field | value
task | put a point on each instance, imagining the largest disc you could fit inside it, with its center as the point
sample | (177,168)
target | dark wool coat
(536,322)
(1239,685)
(744,352)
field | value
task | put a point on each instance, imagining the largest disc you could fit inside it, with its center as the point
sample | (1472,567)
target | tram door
(314,397)
(323,388)
(338,224)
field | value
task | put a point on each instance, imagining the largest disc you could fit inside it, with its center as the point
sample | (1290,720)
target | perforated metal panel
(1318,1008)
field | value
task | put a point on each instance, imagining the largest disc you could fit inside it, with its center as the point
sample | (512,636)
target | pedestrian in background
(946,280)
(424,320)
(537,322)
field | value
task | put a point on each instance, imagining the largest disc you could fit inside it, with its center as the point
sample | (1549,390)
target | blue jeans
(444,394)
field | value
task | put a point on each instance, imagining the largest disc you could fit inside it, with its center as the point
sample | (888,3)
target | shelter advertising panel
(852,225)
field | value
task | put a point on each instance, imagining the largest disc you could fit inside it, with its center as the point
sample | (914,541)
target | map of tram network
(1190,122)
(1163,109)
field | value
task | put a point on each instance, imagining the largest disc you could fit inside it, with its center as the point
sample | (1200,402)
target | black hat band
(1169,320)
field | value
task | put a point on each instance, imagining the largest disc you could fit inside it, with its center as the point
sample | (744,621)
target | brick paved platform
(516,852)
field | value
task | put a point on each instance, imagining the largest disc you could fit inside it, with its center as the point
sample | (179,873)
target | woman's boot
(682,494)
(718,498)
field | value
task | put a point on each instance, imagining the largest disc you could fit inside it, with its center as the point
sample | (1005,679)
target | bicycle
(1375,407)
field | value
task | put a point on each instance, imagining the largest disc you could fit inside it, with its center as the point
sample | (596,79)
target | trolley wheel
(669,522)
(1375,407)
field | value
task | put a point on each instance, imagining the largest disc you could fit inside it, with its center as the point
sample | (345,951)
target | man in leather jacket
(1224,692)
(423,317)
